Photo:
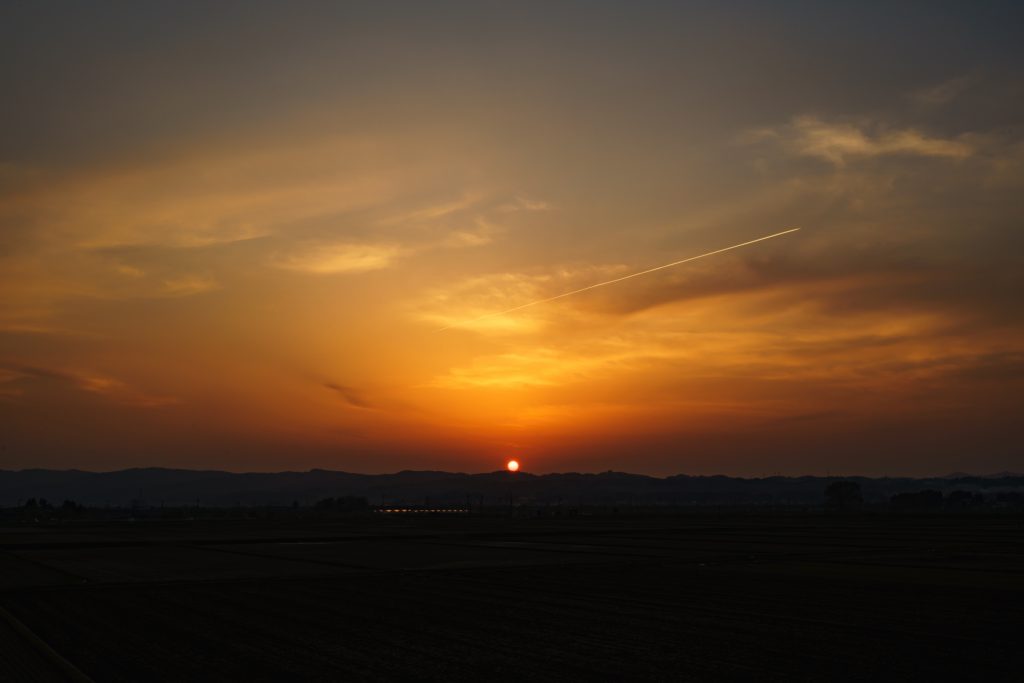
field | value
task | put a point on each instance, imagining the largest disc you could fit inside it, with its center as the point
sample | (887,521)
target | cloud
(472,302)
(12,373)
(841,143)
(943,93)
(525,204)
(200,217)
(129,271)
(483,232)
(188,285)
(329,259)
(351,396)
(434,211)
(754,350)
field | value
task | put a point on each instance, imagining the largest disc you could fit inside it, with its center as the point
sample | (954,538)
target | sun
(513,465)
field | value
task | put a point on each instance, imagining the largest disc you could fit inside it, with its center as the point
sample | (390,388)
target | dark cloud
(812,417)
(351,396)
(86,382)
(990,367)
(961,291)
(34,372)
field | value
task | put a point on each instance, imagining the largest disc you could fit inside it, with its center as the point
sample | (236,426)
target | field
(696,596)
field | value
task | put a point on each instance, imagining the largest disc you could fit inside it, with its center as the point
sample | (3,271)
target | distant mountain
(158,486)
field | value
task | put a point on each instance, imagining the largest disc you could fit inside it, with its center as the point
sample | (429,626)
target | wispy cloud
(699,351)
(188,285)
(329,259)
(942,93)
(12,374)
(841,143)
(350,395)
(525,204)
(469,302)
(433,211)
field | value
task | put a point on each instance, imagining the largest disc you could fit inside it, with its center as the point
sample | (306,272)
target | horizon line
(949,475)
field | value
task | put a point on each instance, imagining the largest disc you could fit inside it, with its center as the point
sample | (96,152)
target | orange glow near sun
(513,465)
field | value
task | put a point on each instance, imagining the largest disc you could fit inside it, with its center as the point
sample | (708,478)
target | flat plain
(703,595)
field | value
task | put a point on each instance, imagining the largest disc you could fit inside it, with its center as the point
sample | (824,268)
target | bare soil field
(702,596)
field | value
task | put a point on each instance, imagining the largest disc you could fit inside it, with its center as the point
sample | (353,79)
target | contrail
(618,279)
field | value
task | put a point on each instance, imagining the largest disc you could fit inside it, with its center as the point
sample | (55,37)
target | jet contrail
(618,279)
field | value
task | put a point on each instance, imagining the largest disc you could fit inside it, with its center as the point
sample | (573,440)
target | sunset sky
(230,233)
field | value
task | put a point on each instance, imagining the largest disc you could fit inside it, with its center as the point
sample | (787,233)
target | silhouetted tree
(1010,499)
(843,495)
(341,504)
(70,508)
(920,500)
(963,499)
(324,504)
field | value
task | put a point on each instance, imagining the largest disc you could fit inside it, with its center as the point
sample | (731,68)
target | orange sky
(229,241)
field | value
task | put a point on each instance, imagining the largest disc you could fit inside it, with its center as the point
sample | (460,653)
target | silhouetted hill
(156,486)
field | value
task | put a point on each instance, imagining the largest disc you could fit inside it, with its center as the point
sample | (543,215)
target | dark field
(701,596)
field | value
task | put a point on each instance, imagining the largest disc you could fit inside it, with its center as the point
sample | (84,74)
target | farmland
(708,595)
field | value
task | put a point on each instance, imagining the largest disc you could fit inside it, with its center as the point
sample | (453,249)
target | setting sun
(513,465)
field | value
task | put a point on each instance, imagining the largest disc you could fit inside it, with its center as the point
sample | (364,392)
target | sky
(231,234)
